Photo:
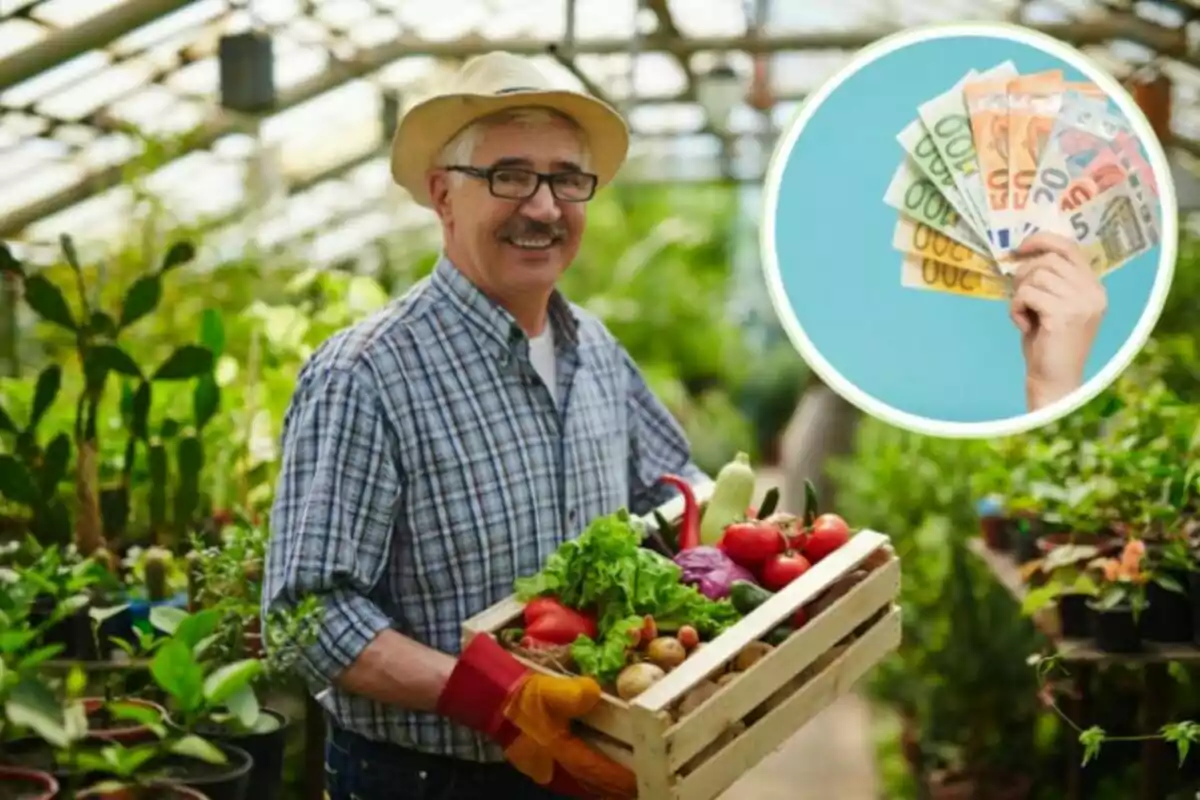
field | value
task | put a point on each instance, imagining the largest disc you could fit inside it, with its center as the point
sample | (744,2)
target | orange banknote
(987,105)
(1033,103)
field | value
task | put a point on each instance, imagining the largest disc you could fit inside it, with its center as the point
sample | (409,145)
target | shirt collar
(492,319)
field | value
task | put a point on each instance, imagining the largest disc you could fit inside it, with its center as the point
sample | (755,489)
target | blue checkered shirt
(426,466)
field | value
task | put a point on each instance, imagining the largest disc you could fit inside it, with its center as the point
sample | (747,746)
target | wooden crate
(698,756)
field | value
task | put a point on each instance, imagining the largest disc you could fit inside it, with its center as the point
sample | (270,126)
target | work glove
(529,715)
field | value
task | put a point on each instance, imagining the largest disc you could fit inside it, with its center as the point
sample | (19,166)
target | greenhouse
(198,197)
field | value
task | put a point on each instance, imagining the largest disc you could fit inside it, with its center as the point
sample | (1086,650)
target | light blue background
(943,357)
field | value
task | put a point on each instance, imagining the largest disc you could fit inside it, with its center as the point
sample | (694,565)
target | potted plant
(171,768)
(1120,601)
(227,580)
(1069,585)
(1168,616)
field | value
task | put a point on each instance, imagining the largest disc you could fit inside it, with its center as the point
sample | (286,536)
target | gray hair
(461,148)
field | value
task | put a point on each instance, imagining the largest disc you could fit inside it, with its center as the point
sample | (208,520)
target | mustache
(522,228)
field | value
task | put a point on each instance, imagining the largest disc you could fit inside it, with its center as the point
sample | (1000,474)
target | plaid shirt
(426,466)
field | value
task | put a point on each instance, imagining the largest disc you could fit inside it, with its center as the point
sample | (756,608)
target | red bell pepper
(689,526)
(548,620)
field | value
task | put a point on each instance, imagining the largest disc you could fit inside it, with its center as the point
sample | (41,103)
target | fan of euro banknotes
(1000,155)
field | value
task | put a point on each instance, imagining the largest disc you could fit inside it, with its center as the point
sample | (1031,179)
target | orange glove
(529,715)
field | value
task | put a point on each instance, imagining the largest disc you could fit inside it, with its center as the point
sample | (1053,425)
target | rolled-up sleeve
(658,445)
(332,521)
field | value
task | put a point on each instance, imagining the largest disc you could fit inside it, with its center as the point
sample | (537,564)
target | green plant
(96,336)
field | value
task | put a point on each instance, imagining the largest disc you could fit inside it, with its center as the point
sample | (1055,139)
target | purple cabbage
(711,571)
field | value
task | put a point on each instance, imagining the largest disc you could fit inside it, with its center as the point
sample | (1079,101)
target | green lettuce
(608,572)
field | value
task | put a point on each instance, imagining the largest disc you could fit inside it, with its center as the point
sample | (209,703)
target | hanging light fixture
(246,56)
(719,91)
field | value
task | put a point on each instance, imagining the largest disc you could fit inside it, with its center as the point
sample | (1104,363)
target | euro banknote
(1001,155)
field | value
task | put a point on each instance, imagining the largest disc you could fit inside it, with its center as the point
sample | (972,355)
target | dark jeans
(360,769)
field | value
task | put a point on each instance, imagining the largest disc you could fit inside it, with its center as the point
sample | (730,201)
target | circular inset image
(970,230)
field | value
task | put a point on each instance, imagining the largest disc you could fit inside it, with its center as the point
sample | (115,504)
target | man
(442,448)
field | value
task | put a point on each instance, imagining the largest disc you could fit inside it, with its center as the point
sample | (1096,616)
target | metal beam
(221,123)
(98,31)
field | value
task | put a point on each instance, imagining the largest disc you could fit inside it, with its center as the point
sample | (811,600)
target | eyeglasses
(516,183)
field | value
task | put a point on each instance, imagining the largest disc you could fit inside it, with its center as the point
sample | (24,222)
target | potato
(751,654)
(666,652)
(836,592)
(727,678)
(637,678)
(697,696)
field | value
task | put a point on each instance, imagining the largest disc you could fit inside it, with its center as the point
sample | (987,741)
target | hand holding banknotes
(1058,303)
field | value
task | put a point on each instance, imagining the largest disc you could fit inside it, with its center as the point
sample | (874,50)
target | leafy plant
(97,336)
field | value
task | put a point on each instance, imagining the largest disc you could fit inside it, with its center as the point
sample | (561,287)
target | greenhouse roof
(83,81)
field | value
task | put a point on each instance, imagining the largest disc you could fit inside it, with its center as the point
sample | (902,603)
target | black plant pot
(265,746)
(1115,629)
(1074,616)
(1023,533)
(229,781)
(1168,618)
(1193,587)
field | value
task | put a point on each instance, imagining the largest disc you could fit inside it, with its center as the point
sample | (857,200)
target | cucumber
(746,596)
(776,636)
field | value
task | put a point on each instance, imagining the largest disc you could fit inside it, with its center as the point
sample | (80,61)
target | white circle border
(1168,235)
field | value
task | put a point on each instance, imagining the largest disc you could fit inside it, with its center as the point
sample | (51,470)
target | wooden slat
(695,731)
(735,759)
(758,623)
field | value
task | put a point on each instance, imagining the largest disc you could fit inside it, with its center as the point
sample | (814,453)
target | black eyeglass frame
(488,174)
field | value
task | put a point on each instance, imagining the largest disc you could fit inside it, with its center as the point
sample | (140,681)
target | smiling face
(509,247)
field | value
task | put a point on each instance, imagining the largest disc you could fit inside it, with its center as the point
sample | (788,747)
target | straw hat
(483,86)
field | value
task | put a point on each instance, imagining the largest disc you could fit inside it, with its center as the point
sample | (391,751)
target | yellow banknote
(987,106)
(917,272)
(1033,104)
(917,238)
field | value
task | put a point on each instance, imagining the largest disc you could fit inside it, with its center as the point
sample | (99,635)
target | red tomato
(751,543)
(799,618)
(782,569)
(828,533)
(540,606)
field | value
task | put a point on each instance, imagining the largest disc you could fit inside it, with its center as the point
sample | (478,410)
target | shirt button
(571,515)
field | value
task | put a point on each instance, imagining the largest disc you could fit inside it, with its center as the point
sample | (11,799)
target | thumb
(567,698)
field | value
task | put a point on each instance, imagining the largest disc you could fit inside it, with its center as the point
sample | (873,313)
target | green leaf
(69,252)
(139,412)
(99,615)
(206,400)
(243,704)
(15,481)
(102,324)
(141,298)
(1091,739)
(132,711)
(187,362)
(114,359)
(197,626)
(192,746)
(49,381)
(33,705)
(178,674)
(48,302)
(9,265)
(230,679)
(6,422)
(179,253)
(167,619)
(212,331)
(810,504)
(1169,583)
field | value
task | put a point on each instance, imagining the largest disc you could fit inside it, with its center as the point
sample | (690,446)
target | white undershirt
(541,354)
